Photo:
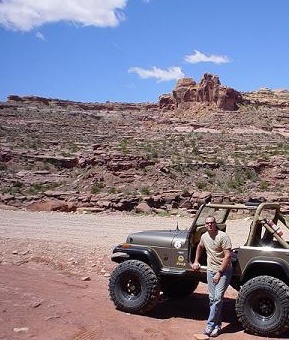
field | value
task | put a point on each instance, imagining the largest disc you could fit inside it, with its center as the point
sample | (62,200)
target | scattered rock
(20,329)
(86,278)
(52,317)
(143,208)
(36,304)
(201,336)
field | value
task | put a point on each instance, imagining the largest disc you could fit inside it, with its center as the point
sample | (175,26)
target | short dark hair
(212,217)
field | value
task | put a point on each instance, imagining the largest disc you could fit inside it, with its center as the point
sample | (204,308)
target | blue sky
(136,50)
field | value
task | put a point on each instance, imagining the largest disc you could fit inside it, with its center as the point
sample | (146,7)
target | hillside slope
(63,155)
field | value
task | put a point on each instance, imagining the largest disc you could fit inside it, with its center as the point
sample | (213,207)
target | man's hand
(217,277)
(196,266)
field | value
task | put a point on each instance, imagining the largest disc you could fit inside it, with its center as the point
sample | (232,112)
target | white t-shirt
(215,248)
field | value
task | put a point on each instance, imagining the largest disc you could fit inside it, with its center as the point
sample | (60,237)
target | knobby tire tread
(149,296)
(274,287)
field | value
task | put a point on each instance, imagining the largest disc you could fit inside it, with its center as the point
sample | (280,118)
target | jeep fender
(257,267)
(125,252)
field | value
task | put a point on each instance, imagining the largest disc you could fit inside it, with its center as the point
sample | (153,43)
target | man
(219,271)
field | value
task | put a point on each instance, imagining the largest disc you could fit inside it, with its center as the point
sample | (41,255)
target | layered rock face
(72,156)
(264,97)
(188,95)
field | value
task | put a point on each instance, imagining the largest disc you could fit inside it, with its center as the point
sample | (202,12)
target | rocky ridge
(202,140)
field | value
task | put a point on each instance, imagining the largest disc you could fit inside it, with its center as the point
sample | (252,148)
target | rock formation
(189,95)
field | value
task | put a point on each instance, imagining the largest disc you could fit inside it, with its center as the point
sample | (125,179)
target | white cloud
(172,73)
(40,36)
(199,57)
(25,15)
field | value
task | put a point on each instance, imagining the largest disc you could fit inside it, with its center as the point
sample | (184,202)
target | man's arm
(196,265)
(226,260)
(224,266)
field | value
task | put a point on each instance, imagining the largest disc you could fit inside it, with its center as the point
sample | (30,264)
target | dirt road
(54,270)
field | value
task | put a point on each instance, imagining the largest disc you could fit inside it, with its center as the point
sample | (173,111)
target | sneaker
(215,332)
(208,331)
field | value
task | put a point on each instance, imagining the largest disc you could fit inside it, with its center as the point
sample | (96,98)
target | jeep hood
(159,238)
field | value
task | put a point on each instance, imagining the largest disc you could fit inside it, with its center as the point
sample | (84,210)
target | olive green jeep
(151,263)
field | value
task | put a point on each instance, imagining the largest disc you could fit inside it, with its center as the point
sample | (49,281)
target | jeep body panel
(161,238)
(262,260)
(170,247)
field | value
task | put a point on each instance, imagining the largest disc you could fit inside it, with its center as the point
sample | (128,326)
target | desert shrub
(123,146)
(73,147)
(97,187)
(14,188)
(145,191)
(201,185)
(41,187)
(264,185)
(3,166)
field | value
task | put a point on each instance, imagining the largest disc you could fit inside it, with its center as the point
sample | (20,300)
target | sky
(133,51)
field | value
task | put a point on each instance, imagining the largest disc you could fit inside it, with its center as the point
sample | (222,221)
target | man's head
(211,224)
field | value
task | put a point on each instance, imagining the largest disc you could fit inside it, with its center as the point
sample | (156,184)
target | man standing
(219,271)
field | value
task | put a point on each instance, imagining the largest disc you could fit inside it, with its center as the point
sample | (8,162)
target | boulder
(143,208)
(48,205)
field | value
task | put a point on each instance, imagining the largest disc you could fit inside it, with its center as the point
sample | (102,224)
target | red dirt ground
(44,259)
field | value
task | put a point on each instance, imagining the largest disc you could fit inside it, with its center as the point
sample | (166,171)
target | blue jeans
(216,296)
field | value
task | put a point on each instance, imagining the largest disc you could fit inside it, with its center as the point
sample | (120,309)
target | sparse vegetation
(264,185)
(145,190)
(201,185)
(97,188)
(123,146)
(3,166)
(126,149)
(41,187)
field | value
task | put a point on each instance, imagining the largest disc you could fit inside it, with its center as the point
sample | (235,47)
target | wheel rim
(130,286)
(263,306)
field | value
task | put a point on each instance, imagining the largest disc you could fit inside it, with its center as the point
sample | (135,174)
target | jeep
(151,263)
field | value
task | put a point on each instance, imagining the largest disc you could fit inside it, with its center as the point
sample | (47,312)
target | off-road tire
(262,306)
(178,288)
(134,287)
